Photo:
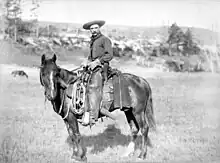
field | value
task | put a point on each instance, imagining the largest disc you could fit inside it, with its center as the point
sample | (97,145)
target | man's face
(94,29)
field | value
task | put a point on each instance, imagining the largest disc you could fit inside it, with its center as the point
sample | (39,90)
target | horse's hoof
(84,159)
(78,159)
(130,150)
(127,155)
(142,155)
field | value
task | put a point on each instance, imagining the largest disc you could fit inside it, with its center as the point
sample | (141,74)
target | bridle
(77,88)
(62,100)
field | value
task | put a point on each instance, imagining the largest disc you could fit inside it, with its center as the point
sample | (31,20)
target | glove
(94,64)
(84,63)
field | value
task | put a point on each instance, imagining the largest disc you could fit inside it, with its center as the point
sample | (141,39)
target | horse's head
(50,77)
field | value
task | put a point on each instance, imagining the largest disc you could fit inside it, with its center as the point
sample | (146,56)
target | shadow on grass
(111,137)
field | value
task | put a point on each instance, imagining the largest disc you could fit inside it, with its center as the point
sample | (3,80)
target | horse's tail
(149,112)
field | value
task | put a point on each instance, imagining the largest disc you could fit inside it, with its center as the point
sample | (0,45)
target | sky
(192,13)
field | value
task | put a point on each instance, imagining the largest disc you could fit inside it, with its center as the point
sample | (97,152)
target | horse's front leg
(79,151)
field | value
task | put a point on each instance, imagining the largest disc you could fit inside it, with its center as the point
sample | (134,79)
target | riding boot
(90,117)
(94,113)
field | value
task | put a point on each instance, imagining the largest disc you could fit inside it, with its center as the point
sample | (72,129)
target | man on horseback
(101,53)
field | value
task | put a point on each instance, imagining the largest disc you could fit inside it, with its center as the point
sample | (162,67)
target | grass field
(186,110)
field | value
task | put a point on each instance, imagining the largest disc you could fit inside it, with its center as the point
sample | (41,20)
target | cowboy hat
(89,24)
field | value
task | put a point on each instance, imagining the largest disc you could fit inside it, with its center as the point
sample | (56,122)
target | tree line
(180,41)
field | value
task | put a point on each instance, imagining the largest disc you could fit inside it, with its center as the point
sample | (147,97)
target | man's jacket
(101,48)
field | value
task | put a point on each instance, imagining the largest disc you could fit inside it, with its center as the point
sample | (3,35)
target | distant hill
(203,36)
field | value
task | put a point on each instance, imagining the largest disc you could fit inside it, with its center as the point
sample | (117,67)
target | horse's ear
(43,59)
(54,57)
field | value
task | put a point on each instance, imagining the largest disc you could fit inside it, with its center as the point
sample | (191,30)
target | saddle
(115,79)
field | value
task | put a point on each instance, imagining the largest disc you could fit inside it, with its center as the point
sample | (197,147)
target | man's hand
(94,64)
(84,63)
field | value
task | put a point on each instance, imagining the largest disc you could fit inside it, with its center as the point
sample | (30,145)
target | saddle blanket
(121,93)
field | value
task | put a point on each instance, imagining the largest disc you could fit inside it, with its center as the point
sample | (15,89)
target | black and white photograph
(121,81)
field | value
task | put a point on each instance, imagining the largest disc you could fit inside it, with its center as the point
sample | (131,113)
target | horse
(140,116)
(19,73)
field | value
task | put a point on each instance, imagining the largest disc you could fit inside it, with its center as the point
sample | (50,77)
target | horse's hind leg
(144,133)
(138,122)
(147,121)
(134,127)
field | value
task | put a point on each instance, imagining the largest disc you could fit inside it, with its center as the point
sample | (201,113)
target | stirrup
(86,124)
(82,123)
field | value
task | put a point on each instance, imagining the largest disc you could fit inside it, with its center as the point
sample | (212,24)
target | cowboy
(101,53)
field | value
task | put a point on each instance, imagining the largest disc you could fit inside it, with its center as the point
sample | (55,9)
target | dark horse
(140,116)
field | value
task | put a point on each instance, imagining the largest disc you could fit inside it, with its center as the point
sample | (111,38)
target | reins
(62,101)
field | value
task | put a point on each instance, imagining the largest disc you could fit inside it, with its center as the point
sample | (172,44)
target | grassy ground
(186,109)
